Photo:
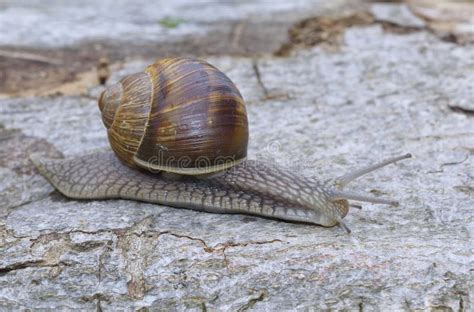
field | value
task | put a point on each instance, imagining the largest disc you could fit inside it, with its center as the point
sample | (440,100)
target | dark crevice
(30,264)
(461,304)
(259,78)
(99,307)
(102,255)
(206,247)
(252,302)
(267,94)
(395,28)
(100,297)
(461,110)
(203,307)
(407,303)
(19,266)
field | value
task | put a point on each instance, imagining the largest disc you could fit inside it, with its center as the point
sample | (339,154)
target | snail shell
(180,115)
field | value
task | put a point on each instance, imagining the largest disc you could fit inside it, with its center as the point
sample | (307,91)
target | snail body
(179,137)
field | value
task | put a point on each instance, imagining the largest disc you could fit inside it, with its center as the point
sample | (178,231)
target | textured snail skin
(249,188)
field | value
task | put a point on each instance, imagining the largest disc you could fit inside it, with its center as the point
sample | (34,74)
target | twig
(29,57)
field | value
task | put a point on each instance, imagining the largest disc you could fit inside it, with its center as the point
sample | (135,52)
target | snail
(179,134)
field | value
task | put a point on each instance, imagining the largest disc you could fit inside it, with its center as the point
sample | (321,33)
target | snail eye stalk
(351,176)
(338,192)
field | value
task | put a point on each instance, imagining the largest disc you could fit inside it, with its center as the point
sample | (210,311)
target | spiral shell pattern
(180,115)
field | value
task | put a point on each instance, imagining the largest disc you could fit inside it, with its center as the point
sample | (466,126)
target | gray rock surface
(71,22)
(321,111)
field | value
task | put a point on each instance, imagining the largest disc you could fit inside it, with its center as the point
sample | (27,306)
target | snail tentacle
(355,206)
(338,195)
(337,192)
(342,181)
(343,224)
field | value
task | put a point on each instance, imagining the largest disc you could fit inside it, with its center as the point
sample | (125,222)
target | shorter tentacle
(343,225)
(338,195)
(355,206)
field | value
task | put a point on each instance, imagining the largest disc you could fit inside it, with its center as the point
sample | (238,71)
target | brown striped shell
(180,115)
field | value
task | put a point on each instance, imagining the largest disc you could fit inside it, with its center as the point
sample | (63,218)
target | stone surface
(320,111)
(48,44)
(67,23)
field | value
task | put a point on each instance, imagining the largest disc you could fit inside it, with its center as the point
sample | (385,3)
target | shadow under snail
(179,137)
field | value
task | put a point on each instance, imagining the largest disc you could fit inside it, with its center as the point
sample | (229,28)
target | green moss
(170,22)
